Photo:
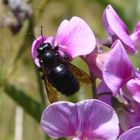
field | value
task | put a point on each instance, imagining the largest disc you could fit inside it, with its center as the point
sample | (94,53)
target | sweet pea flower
(89,119)
(96,60)
(119,74)
(73,38)
(117,29)
(131,134)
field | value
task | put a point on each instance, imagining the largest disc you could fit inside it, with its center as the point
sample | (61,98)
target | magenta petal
(132,89)
(60,120)
(36,44)
(97,120)
(137,28)
(75,37)
(131,134)
(116,28)
(117,68)
(136,40)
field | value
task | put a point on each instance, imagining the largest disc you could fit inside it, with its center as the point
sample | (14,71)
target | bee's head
(47,55)
(43,48)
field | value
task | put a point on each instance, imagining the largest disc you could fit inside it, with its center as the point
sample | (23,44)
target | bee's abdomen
(63,80)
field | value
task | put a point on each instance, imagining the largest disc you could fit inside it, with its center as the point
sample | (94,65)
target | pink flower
(89,119)
(117,68)
(97,61)
(119,74)
(74,38)
(117,29)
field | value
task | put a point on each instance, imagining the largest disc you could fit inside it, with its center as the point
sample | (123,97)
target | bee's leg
(44,77)
(56,48)
(66,58)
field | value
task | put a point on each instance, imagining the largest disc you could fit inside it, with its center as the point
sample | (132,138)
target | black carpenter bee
(59,74)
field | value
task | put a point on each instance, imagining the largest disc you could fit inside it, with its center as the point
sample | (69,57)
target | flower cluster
(19,11)
(96,118)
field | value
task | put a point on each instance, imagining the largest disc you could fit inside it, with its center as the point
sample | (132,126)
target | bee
(58,73)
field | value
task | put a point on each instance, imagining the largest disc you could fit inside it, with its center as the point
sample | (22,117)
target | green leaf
(31,106)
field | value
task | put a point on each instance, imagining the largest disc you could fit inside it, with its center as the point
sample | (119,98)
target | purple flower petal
(132,90)
(103,88)
(137,28)
(97,120)
(75,37)
(137,73)
(104,93)
(116,28)
(117,68)
(36,44)
(131,134)
(86,119)
(132,115)
(60,119)
(136,40)
(95,62)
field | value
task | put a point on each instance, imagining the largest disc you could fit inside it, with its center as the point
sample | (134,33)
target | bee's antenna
(42,34)
(41,30)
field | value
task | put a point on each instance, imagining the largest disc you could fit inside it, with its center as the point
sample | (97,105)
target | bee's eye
(48,46)
(44,47)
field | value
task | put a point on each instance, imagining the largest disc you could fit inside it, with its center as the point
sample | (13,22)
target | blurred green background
(20,82)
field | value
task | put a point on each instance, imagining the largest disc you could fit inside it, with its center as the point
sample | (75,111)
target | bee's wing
(80,75)
(52,93)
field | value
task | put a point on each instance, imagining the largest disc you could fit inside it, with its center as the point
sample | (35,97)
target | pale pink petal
(116,28)
(97,120)
(75,37)
(131,134)
(60,119)
(95,62)
(117,68)
(76,138)
(36,44)
(62,29)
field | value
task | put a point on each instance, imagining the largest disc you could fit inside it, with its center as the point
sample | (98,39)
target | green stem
(94,94)
(27,41)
